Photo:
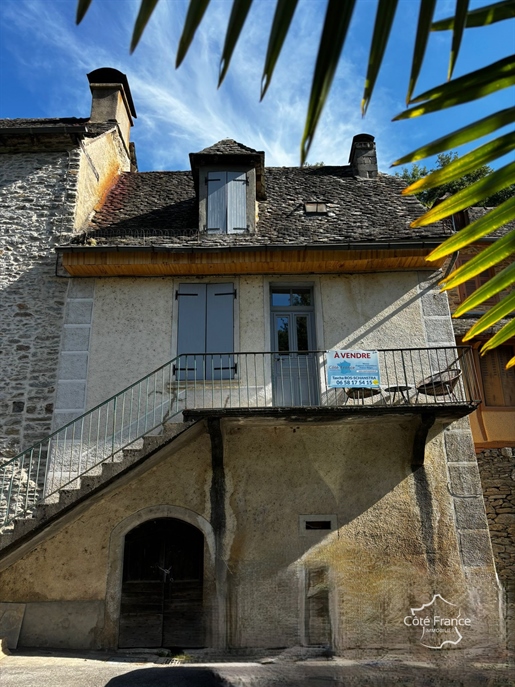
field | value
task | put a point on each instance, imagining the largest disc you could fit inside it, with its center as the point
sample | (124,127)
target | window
(205,326)
(227,202)
(315,208)
(467,288)
(498,383)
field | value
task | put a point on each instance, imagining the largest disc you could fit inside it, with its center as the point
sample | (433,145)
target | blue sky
(44,59)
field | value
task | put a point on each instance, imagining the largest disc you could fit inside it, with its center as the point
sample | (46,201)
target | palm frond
(144,14)
(194,16)
(283,15)
(483,16)
(490,221)
(336,24)
(502,249)
(466,134)
(503,280)
(384,19)
(240,9)
(496,313)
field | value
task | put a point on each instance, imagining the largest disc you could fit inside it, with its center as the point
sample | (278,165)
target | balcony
(424,383)
(441,380)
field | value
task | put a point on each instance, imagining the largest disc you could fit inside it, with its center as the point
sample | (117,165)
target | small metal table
(402,389)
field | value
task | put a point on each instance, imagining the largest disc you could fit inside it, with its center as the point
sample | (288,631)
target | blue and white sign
(352,369)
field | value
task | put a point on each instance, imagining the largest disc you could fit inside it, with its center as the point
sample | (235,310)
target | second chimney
(362,158)
(111,99)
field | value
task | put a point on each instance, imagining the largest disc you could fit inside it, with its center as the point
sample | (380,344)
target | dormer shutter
(236,202)
(216,201)
(226,202)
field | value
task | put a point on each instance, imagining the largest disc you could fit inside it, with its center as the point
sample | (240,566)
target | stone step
(91,480)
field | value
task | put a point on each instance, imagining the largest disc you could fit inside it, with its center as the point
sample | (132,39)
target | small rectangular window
(318,524)
(322,523)
(315,208)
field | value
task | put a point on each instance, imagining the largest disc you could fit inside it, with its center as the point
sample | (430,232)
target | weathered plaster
(396,542)
(102,160)
(131,333)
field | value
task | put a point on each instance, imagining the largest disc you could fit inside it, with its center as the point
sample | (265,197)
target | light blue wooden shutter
(191,335)
(236,202)
(216,201)
(220,331)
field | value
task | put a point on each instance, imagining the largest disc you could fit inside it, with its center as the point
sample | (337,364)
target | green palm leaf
(502,280)
(505,307)
(468,133)
(471,86)
(337,19)
(465,165)
(194,16)
(240,9)
(384,19)
(502,335)
(469,196)
(497,252)
(425,17)
(483,16)
(460,17)
(144,14)
(282,19)
(82,8)
(489,222)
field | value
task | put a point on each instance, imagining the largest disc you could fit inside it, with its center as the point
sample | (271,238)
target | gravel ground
(54,669)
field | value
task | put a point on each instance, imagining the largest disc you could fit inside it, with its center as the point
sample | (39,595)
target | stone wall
(497,469)
(37,197)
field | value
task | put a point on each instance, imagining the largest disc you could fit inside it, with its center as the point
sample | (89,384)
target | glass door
(295,380)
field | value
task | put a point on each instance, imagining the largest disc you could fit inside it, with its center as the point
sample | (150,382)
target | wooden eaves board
(114,263)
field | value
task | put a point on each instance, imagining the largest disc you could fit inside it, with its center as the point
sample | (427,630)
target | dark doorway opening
(162,589)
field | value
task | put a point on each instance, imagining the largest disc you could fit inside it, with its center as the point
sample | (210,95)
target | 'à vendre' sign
(352,369)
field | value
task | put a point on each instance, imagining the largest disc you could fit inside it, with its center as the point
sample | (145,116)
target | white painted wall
(134,324)
(131,333)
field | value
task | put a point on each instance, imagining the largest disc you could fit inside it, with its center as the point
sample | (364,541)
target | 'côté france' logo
(441,622)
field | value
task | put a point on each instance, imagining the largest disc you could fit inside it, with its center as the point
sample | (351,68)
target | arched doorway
(162,589)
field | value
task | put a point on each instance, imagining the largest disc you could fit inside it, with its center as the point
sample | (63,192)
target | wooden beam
(98,263)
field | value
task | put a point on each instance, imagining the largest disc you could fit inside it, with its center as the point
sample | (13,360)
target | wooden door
(162,590)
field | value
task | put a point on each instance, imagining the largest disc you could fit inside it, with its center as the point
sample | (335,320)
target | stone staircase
(94,480)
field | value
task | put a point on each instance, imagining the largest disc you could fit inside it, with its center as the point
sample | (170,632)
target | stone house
(184,463)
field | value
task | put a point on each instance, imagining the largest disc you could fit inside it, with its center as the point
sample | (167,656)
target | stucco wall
(131,333)
(396,542)
(102,160)
(134,321)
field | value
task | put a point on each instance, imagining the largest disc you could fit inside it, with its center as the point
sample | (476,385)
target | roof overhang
(159,261)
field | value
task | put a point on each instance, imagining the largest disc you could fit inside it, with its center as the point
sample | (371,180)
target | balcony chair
(440,384)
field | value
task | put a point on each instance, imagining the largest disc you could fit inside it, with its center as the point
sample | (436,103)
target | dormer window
(226,202)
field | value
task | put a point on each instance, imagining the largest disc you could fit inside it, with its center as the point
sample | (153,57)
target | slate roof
(57,123)
(227,147)
(476,212)
(461,325)
(161,208)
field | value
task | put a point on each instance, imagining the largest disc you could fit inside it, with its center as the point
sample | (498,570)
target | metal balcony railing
(409,378)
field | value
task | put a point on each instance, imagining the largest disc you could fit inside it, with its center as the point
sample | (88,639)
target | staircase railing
(80,446)
(409,377)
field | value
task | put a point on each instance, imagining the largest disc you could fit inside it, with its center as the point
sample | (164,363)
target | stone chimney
(362,158)
(112,99)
